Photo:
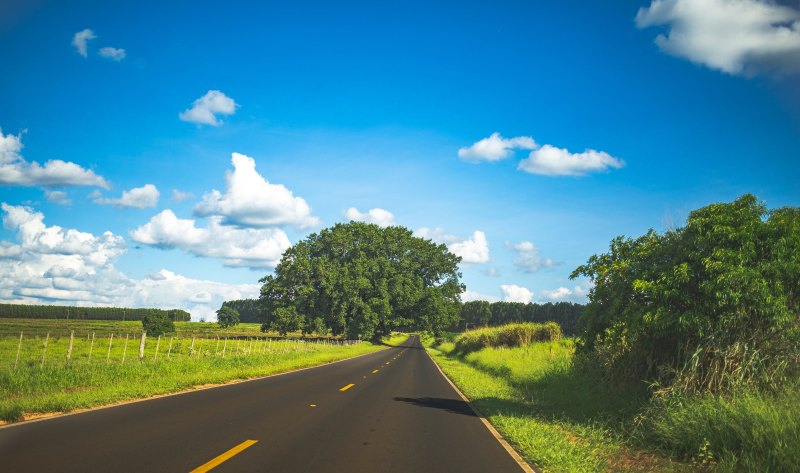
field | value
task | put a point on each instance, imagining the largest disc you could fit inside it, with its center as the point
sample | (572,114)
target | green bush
(157,323)
(227,316)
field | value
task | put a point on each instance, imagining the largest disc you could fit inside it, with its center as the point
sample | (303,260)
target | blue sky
(596,120)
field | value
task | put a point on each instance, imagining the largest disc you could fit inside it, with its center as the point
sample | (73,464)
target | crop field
(102,362)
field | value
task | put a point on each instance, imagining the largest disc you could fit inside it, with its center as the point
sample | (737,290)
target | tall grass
(511,335)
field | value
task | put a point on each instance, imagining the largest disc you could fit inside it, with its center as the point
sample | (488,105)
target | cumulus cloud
(468,296)
(380,217)
(578,294)
(551,161)
(514,293)
(204,110)
(251,201)
(16,171)
(80,40)
(57,197)
(55,265)
(471,250)
(116,54)
(529,259)
(178,196)
(735,36)
(495,148)
(253,248)
(138,197)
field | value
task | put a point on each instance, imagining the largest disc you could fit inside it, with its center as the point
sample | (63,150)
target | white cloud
(492,272)
(16,171)
(178,196)
(471,250)
(253,248)
(204,110)
(468,296)
(495,148)
(57,197)
(251,201)
(80,39)
(54,265)
(529,259)
(138,197)
(551,161)
(117,54)
(380,217)
(514,293)
(578,294)
(734,36)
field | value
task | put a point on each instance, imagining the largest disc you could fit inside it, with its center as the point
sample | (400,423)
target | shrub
(157,323)
(511,335)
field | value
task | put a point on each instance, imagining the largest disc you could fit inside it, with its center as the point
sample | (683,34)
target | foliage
(84,313)
(157,323)
(363,281)
(483,313)
(249,310)
(510,335)
(705,307)
(227,316)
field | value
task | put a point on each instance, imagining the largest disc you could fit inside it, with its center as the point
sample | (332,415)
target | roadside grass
(559,418)
(107,377)
(396,338)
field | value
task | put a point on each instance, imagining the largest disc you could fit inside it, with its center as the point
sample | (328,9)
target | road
(390,411)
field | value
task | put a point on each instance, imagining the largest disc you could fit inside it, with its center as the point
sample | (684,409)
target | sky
(165,154)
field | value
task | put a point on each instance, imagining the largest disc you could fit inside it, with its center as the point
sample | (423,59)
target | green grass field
(558,420)
(107,369)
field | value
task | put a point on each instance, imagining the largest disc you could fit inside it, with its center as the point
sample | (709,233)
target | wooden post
(141,347)
(158,342)
(191,348)
(19,346)
(269,345)
(91,347)
(224,346)
(124,350)
(237,345)
(44,352)
(69,348)
(108,354)
(169,350)
(216,348)
(250,350)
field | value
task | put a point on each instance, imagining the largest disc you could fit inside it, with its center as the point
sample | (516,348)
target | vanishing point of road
(390,411)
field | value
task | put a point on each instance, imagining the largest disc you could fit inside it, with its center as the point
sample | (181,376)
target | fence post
(91,347)
(250,350)
(108,354)
(191,348)
(69,348)
(224,346)
(158,342)
(169,350)
(19,346)
(237,345)
(141,347)
(269,345)
(44,352)
(124,350)
(216,347)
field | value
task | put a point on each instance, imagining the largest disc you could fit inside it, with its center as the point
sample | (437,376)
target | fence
(118,348)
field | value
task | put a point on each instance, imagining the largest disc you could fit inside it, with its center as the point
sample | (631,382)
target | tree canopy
(363,281)
(227,316)
(716,302)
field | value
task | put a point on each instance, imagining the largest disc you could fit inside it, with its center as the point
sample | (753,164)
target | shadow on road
(450,405)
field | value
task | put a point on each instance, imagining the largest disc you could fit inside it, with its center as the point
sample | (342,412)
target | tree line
(24,311)
(486,314)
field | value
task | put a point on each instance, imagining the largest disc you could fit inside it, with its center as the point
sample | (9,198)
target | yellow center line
(345,388)
(312,405)
(224,457)
(375,371)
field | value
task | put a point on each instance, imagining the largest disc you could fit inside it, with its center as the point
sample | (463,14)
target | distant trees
(157,323)
(249,310)
(227,316)
(363,281)
(483,313)
(84,313)
(710,305)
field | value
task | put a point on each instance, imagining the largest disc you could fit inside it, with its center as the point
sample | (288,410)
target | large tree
(363,281)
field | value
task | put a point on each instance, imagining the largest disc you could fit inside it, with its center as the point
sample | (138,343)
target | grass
(558,418)
(96,375)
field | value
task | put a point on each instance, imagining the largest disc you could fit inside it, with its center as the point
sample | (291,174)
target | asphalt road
(399,415)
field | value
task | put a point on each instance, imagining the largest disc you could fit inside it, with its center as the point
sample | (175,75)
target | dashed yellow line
(375,371)
(224,457)
(345,388)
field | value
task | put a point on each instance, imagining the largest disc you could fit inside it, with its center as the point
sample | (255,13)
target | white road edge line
(516,456)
